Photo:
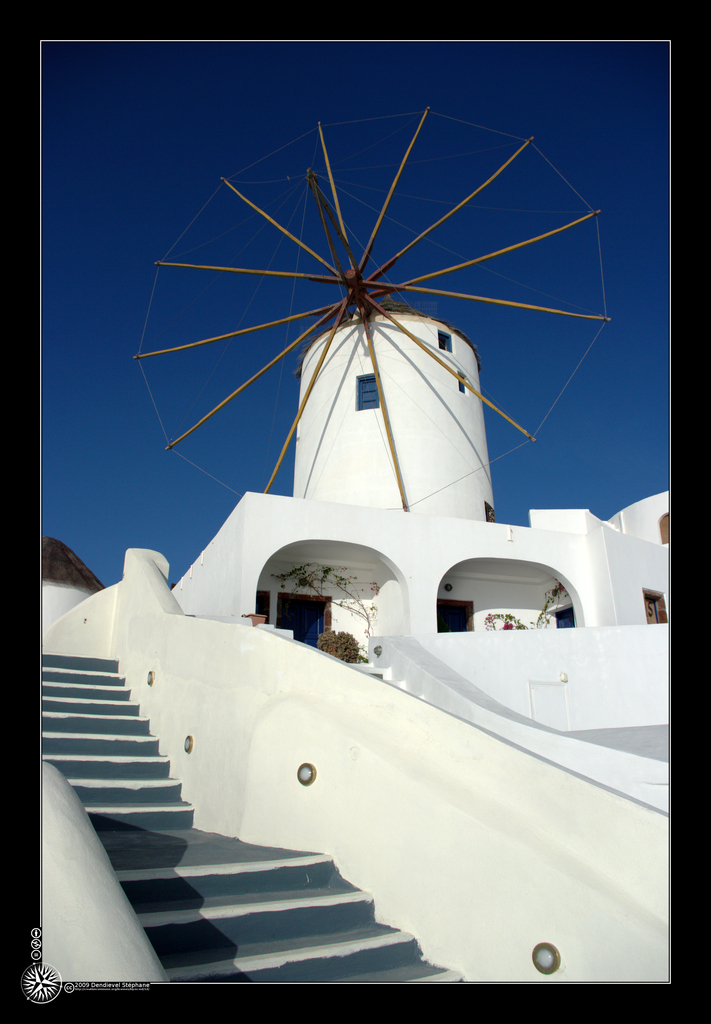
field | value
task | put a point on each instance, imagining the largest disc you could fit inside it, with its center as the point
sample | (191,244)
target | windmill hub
(358,292)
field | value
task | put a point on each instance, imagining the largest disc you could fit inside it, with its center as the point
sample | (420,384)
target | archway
(493,593)
(315,585)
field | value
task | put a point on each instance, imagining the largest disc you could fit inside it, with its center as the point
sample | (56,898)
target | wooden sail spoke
(283,230)
(344,238)
(339,318)
(437,359)
(235,334)
(501,302)
(340,231)
(387,265)
(316,192)
(500,252)
(384,408)
(333,310)
(316,278)
(369,246)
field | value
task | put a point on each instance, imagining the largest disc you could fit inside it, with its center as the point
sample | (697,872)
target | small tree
(340,645)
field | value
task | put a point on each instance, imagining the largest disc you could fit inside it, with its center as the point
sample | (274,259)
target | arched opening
(664,528)
(481,594)
(316,585)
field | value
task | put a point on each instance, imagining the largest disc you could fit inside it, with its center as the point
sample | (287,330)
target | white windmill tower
(390,412)
(386,426)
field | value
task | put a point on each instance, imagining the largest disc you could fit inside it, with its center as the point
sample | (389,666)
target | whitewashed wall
(642,519)
(604,571)
(615,676)
(58,598)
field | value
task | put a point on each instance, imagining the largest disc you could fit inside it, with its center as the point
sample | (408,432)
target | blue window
(462,388)
(445,341)
(367,393)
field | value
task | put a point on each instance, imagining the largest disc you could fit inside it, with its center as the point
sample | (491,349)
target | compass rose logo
(41,983)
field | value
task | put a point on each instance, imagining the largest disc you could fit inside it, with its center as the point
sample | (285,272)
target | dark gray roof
(61,565)
(392,306)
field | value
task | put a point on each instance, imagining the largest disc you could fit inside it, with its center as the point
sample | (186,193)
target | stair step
(146,816)
(76,661)
(93,792)
(74,677)
(97,766)
(70,704)
(86,692)
(177,928)
(380,951)
(75,722)
(98,743)
(181,883)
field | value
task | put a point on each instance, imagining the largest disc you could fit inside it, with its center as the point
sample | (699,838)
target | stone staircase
(214,908)
(96,737)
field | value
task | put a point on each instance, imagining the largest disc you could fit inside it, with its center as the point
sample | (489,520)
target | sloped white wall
(90,931)
(616,676)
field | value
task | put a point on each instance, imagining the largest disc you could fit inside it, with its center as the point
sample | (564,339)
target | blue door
(452,617)
(305,618)
(565,619)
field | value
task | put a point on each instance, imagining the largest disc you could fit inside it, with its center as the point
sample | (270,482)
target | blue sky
(136,137)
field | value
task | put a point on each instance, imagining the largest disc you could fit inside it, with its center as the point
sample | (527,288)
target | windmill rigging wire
(604,306)
(470,473)
(273,153)
(569,379)
(150,393)
(561,176)
(472,124)
(195,465)
(188,226)
(140,362)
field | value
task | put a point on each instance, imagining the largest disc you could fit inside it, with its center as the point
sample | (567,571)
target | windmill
(366,320)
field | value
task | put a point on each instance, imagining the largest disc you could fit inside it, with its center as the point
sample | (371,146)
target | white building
(515,776)
(66,581)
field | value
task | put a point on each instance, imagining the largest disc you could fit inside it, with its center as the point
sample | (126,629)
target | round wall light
(151,678)
(188,745)
(546,958)
(306,774)
(448,587)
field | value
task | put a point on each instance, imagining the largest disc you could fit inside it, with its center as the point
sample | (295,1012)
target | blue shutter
(367,393)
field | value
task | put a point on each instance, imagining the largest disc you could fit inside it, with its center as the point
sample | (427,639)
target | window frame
(367,398)
(447,339)
(655,609)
